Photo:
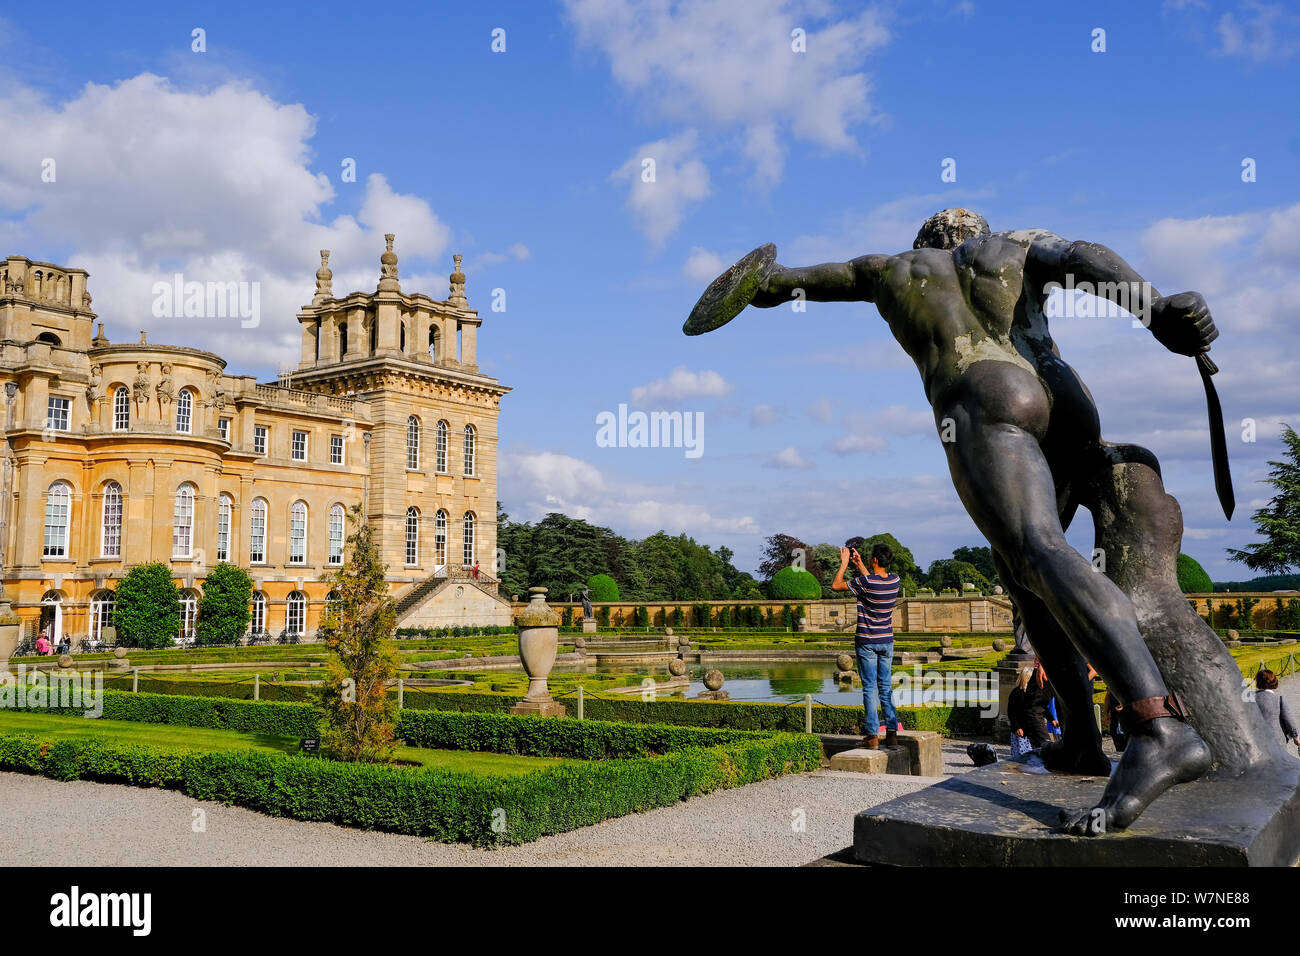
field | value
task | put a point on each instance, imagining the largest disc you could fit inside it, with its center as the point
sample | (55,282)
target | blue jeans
(874,662)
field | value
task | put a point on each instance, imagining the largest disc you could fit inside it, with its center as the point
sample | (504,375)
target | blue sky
(225,164)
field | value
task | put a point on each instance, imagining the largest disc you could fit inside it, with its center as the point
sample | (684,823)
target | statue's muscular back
(972,320)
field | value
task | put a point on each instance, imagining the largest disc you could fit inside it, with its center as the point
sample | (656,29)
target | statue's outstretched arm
(852,281)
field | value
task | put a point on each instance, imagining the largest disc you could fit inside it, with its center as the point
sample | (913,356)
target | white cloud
(152,179)
(788,458)
(822,410)
(763,415)
(664,179)
(853,444)
(1259,32)
(702,265)
(682,384)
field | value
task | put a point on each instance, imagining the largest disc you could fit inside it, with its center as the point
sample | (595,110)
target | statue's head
(950,228)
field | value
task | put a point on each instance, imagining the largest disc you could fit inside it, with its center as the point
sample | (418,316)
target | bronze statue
(1024,448)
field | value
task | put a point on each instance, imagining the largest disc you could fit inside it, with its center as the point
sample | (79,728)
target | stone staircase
(417,593)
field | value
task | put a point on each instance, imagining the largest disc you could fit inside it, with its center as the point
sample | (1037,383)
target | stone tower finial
(388,267)
(457,296)
(324,279)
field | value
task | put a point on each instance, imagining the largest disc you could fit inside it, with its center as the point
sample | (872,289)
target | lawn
(202,738)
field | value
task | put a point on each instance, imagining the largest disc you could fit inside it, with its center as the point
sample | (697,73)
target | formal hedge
(448,806)
(217,713)
(833,719)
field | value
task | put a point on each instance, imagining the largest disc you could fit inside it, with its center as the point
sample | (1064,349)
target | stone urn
(677,667)
(713,682)
(844,669)
(539,639)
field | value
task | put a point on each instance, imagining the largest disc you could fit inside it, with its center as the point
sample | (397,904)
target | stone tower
(432,445)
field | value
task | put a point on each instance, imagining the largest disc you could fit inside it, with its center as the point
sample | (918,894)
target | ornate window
(412,443)
(258,623)
(469,449)
(102,604)
(441,448)
(298,533)
(295,616)
(110,528)
(183,522)
(121,409)
(189,614)
(185,411)
(257,532)
(440,538)
(58,508)
(412,536)
(225,507)
(336,535)
(467,540)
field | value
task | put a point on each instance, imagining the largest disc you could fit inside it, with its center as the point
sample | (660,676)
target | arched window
(433,342)
(183,522)
(467,536)
(343,339)
(336,534)
(121,408)
(401,344)
(257,624)
(189,614)
(412,443)
(295,616)
(374,336)
(58,508)
(49,338)
(185,411)
(469,449)
(102,604)
(412,536)
(298,533)
(110,527)
(440,448)
(257,532)
(225,508)
(332,602)
(440,539)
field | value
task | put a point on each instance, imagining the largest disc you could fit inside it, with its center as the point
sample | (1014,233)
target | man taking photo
(877,592)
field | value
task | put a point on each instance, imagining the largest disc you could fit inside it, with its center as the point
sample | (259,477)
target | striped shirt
(876,594)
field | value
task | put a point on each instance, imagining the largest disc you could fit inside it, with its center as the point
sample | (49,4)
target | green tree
(903,563)
(1192,578)
(359,627)
(950,573)
(1279,522)
(147,613)
(603,588)
(791,584)
(981,556)
(225,608)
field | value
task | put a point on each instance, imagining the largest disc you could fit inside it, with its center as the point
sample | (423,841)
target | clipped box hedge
(641,767)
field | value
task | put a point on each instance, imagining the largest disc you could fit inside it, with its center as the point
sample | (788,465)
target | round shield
(730,292)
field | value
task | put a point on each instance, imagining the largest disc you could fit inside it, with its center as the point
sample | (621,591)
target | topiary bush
(1192,578)
(794,584)
(225,608)
(603,588)
(148,609)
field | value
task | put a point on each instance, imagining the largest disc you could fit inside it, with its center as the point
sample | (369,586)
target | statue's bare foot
(1080,753)
(1160,754)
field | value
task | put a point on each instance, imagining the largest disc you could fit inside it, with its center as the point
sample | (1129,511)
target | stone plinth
(924,750)
(539,708)
(588,625)
(883,760)
(712,695)
(1001,814)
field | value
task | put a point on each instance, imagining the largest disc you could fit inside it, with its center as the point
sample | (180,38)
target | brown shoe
(891,738)
(872,742)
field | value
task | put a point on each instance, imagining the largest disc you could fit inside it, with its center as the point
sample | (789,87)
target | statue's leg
(1079,750)
(1008,489)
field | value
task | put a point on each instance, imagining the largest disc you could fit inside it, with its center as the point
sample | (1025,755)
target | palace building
(121,454)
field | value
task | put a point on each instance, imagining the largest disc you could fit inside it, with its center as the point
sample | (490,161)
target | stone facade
(119,454)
